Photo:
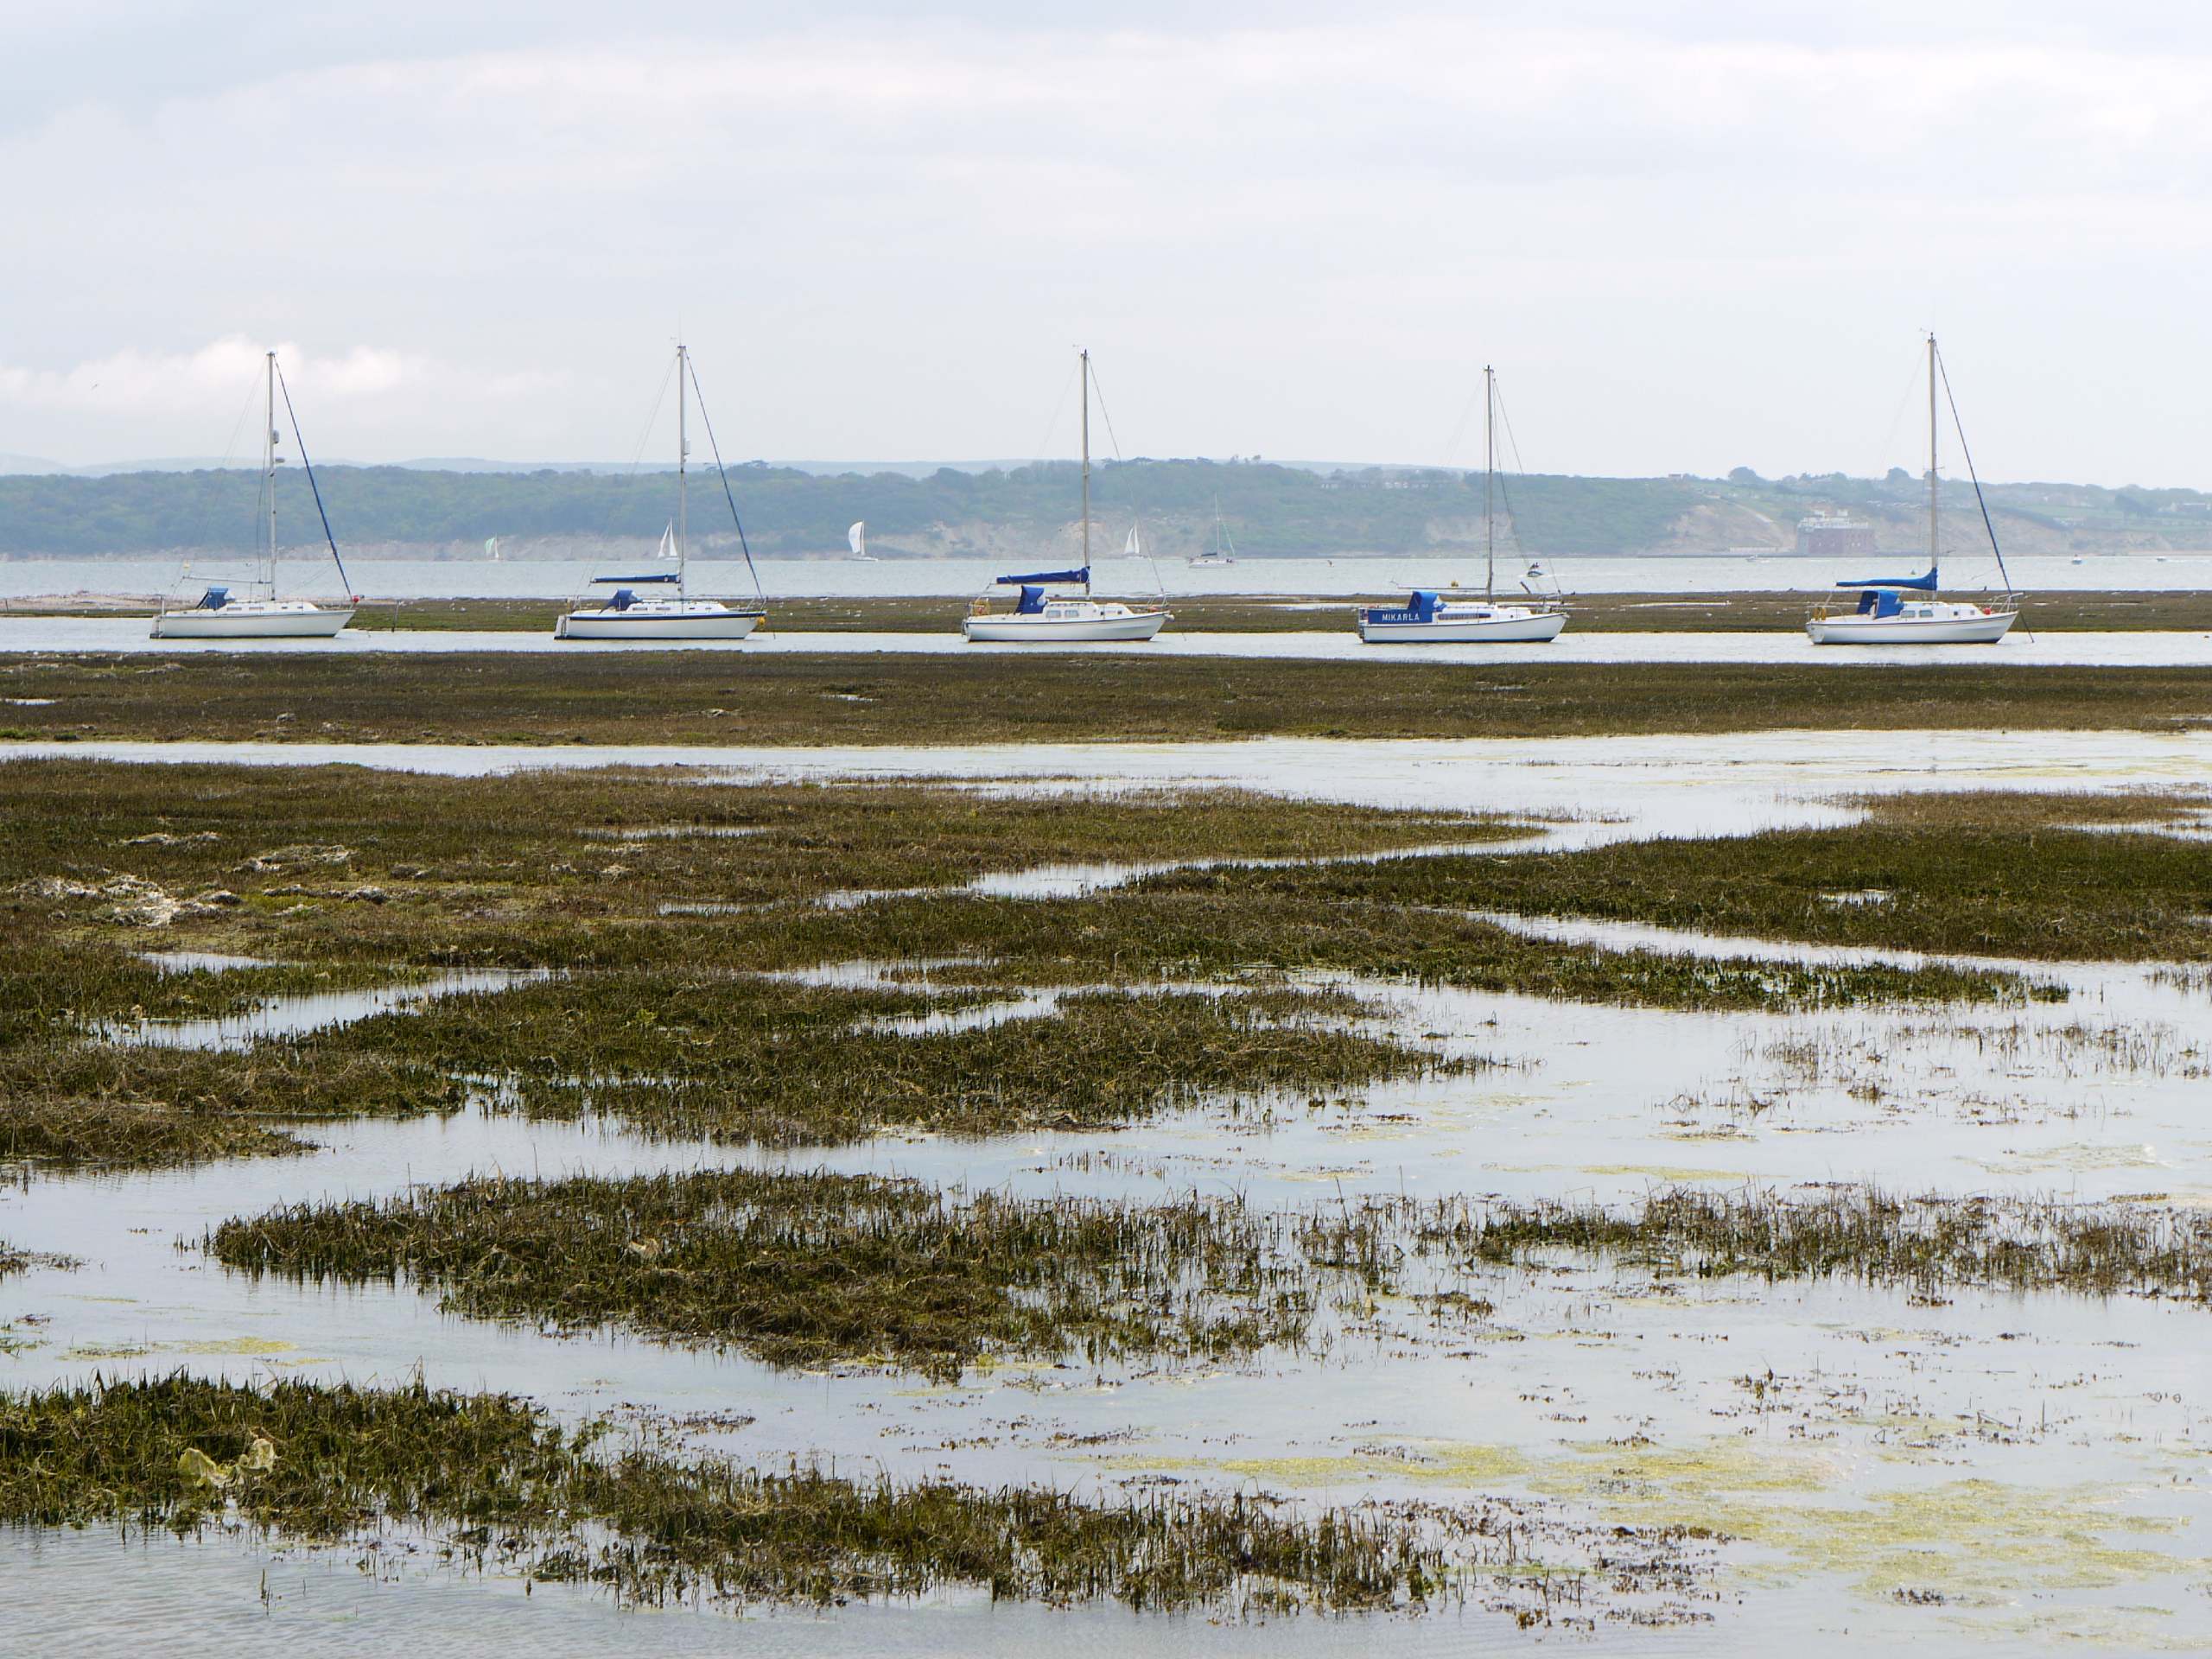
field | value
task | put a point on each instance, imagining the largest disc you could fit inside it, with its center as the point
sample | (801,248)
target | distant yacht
(1223,550)
(1441,616)
(260,614)
(1892,611)
(856,538)
(1038,618)
(661,616)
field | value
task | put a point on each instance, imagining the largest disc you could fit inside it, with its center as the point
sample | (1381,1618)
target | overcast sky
(1689,242)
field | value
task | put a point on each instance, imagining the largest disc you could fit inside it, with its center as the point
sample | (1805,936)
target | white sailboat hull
(1044,630)
(253,619)
(1986,629)
(641,626)
(1528,628)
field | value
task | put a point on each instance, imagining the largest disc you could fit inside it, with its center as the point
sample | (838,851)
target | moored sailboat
(1076,618)
(1443,616)
(627,615)
(1892,610)
(1223,550)
(260,614)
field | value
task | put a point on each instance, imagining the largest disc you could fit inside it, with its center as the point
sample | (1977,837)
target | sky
(1689,241)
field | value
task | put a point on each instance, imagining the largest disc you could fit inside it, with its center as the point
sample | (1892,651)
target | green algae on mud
(1975,1543)
(816,1268)
(501,1482)
(668,697)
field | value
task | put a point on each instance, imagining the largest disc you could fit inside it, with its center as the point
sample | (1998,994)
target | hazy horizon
(1689,242)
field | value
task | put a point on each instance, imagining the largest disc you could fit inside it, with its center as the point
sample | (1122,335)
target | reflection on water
(91,1595)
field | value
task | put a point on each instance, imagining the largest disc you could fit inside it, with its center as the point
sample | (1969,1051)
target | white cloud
(1691,246)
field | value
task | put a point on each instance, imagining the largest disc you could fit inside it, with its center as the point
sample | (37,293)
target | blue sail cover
(1925,584)
(1421,607)
(1081,575)
(669,577)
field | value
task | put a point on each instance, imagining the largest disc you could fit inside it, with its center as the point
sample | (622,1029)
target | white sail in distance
(668,542)
(856,538)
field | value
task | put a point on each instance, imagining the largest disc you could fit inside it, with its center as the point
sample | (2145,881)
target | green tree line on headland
(1271,511)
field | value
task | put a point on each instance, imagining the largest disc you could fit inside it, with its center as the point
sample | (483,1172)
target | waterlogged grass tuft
(495,1478)
(2052,877)
(817,1268)
(1924,1243)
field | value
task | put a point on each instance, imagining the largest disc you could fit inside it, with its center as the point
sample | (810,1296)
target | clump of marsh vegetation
(1922,1243)
(1216,923)
(764,1059)
(79,1101)
(16,1261)
(2052,877)
(594,844)
(492,1473)
(816,1268)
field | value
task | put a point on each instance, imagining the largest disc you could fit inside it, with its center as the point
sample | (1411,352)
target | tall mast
(1489,475)
(1086,460)
(683,457)
(268,463)
(1931,452)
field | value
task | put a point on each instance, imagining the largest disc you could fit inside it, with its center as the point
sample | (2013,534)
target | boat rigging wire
(308,465)
(722,472)
(1966,454)
(1045,444)
(1107,415)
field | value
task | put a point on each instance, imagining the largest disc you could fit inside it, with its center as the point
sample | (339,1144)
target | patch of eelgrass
(325,1461)
(810,1269)
(1922,1244)
(72,1102)
(765,1059)
(80,837)
(15,1261)
(64,1133)
(1208,924)
(2036,876)
(51,983)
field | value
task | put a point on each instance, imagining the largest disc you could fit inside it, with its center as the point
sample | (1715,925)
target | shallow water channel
(2016,1469)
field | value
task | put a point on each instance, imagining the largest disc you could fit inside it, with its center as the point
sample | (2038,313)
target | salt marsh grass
(494,1478)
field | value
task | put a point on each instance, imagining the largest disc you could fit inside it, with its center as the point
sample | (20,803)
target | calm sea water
(812,578)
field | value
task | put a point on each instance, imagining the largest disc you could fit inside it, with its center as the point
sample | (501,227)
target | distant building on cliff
(1835,536)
